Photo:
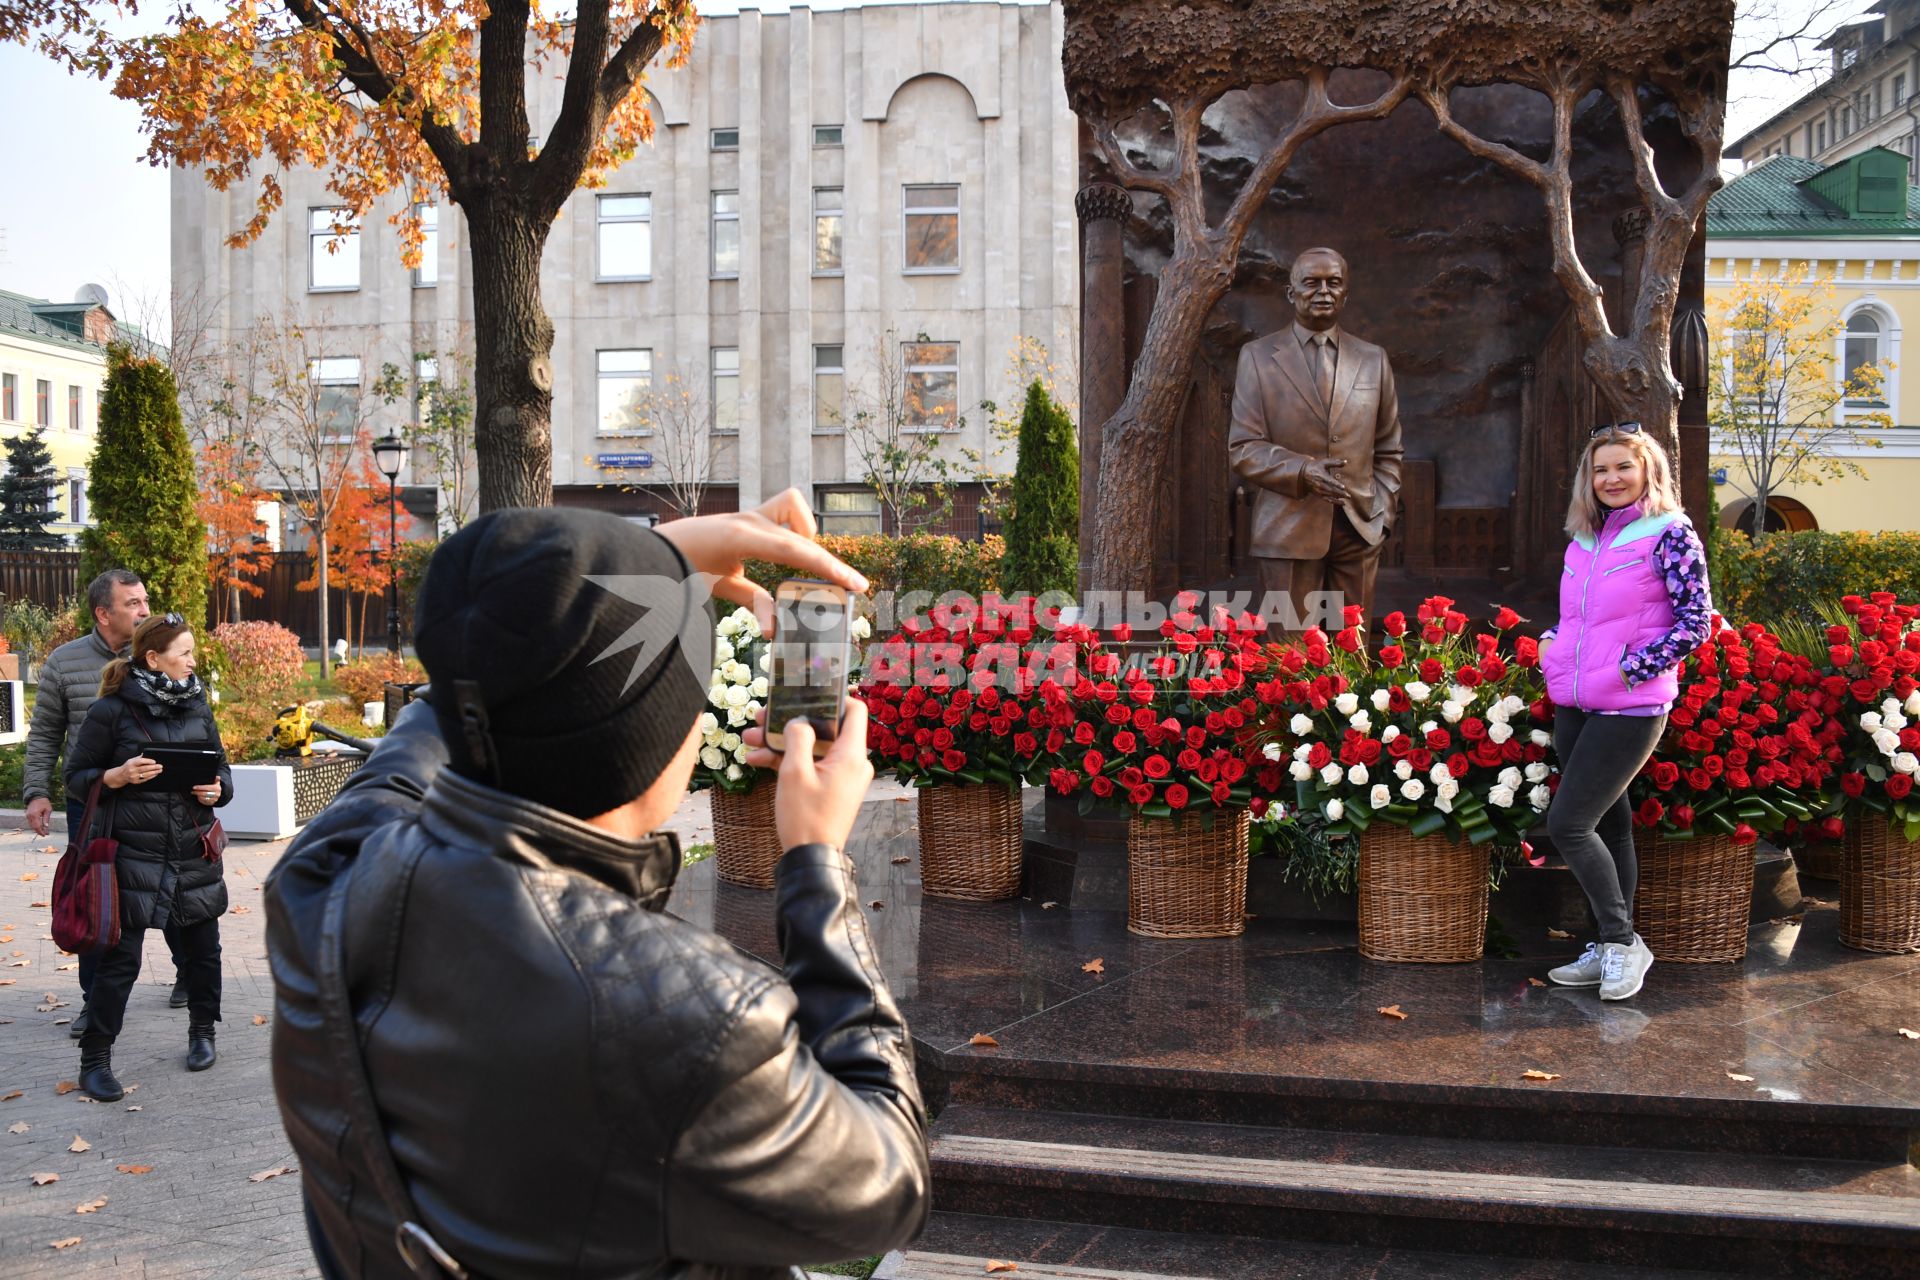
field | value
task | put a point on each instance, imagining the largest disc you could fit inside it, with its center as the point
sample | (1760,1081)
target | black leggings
(196,951)
(1591,820)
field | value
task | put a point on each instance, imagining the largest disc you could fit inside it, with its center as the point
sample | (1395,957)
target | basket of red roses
(1173,734)
(1874,658)
(1744,752)
(1429,754)
(955,712)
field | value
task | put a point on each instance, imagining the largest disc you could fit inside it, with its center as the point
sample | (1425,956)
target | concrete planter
(274,799)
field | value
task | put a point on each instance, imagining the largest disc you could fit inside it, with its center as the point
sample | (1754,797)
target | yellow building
(1856,225)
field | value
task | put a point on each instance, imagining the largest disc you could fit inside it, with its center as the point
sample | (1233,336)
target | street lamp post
(390,454)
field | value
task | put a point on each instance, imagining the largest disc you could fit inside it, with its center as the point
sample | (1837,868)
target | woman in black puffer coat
(165,873)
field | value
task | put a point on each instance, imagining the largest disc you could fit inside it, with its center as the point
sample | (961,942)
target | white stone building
(1872,98)
(817,182)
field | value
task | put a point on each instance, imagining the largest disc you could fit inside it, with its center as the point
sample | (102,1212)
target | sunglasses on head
(173,620)
(1624,428)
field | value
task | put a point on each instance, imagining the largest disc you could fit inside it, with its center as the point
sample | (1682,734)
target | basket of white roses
(1431,753)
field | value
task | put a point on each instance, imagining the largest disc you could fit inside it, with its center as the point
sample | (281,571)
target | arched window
(1865,348)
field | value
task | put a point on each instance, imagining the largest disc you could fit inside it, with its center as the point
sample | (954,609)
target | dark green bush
(1043,542)
(1790,575)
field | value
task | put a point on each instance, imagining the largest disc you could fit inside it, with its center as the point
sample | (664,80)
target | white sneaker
(1584,972)
(1623,969)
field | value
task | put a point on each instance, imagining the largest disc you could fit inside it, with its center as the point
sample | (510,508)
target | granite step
(1739,1213)
(958,1246)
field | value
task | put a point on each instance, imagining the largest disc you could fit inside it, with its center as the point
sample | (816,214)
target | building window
(932,218)
(426,381)
(42,402)
(726,139)
(1820,133)
(1899,91)
(333,250)
(77,499)
(829,389)
(624,237)
(725,391)
(336,382)
(829,204)
(625,378)
(828,135)
(932,401)
(1846,121)
(1865,347)
(849,511)
(9,397)
(726,235)
(427,274)
(75,403)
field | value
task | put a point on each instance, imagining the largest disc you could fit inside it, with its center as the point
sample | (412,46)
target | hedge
(928,562)
(1791,574)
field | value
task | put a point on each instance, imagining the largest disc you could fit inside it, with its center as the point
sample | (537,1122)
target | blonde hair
(1586,513)
(155,634)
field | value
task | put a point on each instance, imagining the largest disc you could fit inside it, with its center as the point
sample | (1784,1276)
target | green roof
(34,318)
(1777,200)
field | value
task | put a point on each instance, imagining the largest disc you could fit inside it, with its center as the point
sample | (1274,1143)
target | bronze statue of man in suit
(1316,428)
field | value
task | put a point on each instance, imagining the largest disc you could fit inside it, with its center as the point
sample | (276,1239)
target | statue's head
(1317,288)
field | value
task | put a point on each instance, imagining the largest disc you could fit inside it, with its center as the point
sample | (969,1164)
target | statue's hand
(1323,479)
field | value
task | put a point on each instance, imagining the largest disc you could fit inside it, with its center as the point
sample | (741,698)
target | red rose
(1102,786)
(953,761)
(1899,786)
(1854,784)
(1438,739)
(1469,677)
(1220,793)
(1699,779)
(1257,806)
(1392,655)
(1457,765)
(1665,775)
(1176,796)
(1473,729)
(1157,766)
(1526,651)
(1025,743)
(1744,834)
(1506,618)
(1188,760)
(1432,670)
(1142,794)
(1131,777)
(1650,812)
(1124,742)
(1841,655)
(1833,828)
(942,739)
(1093,762)
(1394,624)
(1319,756)
(1683,816)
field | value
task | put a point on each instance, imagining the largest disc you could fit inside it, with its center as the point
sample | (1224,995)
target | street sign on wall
(624,461)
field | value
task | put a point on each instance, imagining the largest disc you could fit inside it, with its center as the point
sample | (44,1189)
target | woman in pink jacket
(1633,603)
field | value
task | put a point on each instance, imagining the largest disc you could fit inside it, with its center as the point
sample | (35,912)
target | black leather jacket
(572,1082)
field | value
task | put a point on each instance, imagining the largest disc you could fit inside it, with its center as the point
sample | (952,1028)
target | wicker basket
(745,843)
(1423,899)
(1187,878)
(971,842)
(1819,858)
(1879,889)
(1695,899)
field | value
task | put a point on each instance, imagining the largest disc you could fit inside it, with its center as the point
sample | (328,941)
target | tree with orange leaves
(358,552)
(413,96)
(237,551)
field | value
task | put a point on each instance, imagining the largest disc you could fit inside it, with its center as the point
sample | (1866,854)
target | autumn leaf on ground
(18,1126)
(65,1087)
(133,1168)
(1531,1074)
(259,1019)
(30,875)
(1911,1035)
(993,1265)
(68,1243)
(1535,982)
(37,904)
(984,1041)
(1393,1011)
(1048,906)
(133,1108)
(18,964)
(7,982)
(62,968)
(265,1174)
(79,1144)
(44,1179)
(1735,1075)
(11,1095)
(239,911)
(1786,920)
(91,1206)
(1096,965)
(1558,933)
(901,862)
(6,937)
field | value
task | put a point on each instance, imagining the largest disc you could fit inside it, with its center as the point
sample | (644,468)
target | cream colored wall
(64,367)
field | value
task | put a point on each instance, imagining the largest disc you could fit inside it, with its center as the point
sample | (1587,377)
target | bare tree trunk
(326,655)
(513,372)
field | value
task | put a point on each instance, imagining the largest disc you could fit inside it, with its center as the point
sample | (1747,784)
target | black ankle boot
(178,998)
(199,1046)
(96,1070)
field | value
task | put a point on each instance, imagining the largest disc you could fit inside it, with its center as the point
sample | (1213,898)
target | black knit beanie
(513,632)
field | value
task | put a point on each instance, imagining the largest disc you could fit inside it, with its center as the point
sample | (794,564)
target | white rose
(1540,738)
(766,661)
(1451,712)
(1402,770)
(1906,762)
(734,773)
(1887,740)
(1332,773)
(1538,771)
(1300,723)
(737,716)
(1540,797)
(759,687)
(1913,703)
(1300,770)
(722,652)
(1499,731)
(1381,796)
(740,753)
(1413,788)
(717,695)
(1460,693)
(1447,790)
(1389,733)
(708,723)
(729,626)
(711,757)
(1895,723)
(1497,713)
(1380,699)
(1347,703)
(1272,751)
(1500,795)
(1335,810)
(1428,726)
(1440,773)
(1870,721)
(1512,706)
(862,629)
(1510,778)
(736,696)
(1357,775)
(1890,707)
(1302,751)
(730,742)
(1418,691)
(1443,803)
(1361,721)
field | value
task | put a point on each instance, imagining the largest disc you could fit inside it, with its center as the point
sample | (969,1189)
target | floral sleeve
(1682,562)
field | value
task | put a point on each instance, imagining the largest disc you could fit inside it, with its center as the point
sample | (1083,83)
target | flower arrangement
(1438,732)
(1873,696)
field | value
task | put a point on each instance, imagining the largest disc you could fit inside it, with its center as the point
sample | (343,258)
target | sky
(80,205)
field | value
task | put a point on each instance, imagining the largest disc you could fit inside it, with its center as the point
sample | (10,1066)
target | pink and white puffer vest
(1613,599)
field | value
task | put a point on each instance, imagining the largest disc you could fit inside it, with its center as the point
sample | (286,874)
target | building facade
(838,211)
(1871,99)
(53,361)
(1855,226)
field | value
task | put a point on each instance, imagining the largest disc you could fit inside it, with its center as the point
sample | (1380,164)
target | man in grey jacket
(69,685)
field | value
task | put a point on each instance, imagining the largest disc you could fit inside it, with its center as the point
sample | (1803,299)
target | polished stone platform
(1215,1093)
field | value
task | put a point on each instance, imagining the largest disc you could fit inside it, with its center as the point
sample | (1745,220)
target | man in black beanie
(494,1054)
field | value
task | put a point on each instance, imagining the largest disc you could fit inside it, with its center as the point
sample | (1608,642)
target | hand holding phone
(812,655)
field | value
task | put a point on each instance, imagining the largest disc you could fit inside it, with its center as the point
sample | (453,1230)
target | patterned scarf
(167,692)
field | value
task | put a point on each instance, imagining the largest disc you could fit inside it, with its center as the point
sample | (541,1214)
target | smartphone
(812,653)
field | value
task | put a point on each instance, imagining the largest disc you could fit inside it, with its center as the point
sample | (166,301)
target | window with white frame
(829,388)
(427,274)
(9,397)
(829,207)
(726,235)
(76,408)
(726,139)
(336,399)
(828,135)
(333,250)
(931,218)
(626,375)
(1864,347)
(1820,135)
(77,498)
(848,511)
(1899,91)
(625,237)
(725,390)
(1846,121)
(42,403)
(932,399)
(426,381)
